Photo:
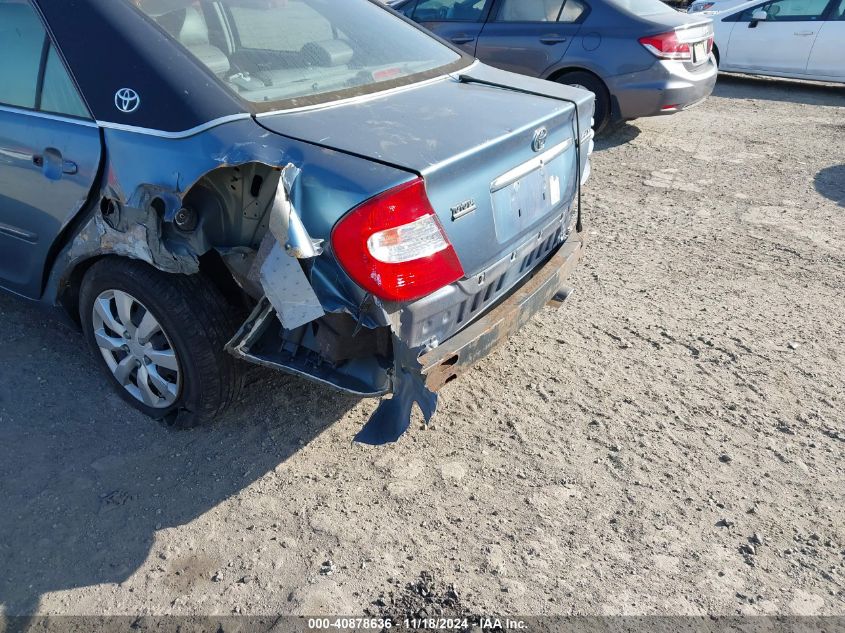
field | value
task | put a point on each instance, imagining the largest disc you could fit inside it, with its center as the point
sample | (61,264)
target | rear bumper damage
(337,351)
(445,363)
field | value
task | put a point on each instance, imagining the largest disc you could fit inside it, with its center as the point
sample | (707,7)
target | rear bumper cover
(445,363)
(665,84)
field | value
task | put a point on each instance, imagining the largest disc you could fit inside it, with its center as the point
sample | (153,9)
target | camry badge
(127,100)
(540,138)
(464,208)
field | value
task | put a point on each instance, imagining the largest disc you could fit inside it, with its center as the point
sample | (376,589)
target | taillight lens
(667,46)
(709,44)
(393,245)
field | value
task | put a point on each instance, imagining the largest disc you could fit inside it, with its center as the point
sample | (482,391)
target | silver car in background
(639,57)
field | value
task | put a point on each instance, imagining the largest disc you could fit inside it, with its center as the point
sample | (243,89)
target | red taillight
(667,46)
(709,44)
(393,245)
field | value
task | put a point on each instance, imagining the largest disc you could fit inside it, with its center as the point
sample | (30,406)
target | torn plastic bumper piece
(393,416)
(418,377)
(261,340)
(446,362)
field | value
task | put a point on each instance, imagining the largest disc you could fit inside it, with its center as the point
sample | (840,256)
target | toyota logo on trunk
(540,138)
(127,100)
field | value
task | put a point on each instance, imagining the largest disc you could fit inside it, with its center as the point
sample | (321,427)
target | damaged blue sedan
(315,186)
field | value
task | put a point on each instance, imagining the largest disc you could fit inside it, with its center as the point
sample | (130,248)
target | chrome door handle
(804,33)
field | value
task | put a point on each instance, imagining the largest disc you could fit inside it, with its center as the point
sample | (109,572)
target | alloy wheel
(136,349)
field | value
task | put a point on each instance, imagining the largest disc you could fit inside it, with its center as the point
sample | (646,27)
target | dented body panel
(251,201)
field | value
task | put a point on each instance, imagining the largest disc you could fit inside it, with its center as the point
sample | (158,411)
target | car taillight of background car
(669,46)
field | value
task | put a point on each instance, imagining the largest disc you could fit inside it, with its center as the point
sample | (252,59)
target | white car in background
(800,39)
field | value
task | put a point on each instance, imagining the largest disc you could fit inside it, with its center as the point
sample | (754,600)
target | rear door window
(32,75)
(450,10)
(21,47)
(530,11)
(58,94)
(789,11)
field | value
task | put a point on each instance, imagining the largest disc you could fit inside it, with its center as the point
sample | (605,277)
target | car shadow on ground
(830,182)
(615,135)
(85,482)
(776,89)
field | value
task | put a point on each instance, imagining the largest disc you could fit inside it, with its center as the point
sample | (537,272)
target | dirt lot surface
(670,442)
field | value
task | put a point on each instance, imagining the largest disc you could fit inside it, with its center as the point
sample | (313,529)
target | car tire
(588,81)
(193,321)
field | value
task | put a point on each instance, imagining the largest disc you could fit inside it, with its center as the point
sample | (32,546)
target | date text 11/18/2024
(485,623)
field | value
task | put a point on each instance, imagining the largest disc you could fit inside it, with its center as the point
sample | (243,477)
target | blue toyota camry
(315,186)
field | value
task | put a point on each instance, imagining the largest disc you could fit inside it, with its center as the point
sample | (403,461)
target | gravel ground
(670,442)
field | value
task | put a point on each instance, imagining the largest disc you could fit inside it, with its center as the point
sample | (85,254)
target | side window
(572,11)
(58,94)
(541,11)
(36,79)
(408,9)
(838,11)
(21,47)
(450,10)
(789,11)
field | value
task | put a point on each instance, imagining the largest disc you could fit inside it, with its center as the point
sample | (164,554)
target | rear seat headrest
(328,53)
(194,29)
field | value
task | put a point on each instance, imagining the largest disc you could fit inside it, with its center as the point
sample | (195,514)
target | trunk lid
(475,147)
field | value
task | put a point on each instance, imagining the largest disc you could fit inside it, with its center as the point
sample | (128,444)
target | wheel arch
(613,104)
(211,266)
(560,72)
(142,227)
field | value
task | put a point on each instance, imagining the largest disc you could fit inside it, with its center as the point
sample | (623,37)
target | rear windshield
(272,51)
(643,8)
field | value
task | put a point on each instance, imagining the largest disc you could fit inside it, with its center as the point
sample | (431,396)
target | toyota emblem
(127,100)
(540,138)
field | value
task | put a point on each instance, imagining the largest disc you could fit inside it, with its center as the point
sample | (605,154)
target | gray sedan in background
(639,57)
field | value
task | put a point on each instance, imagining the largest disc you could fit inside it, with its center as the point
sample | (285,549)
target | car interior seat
(193,35)
(464,11)
(187,25)
(530,11)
